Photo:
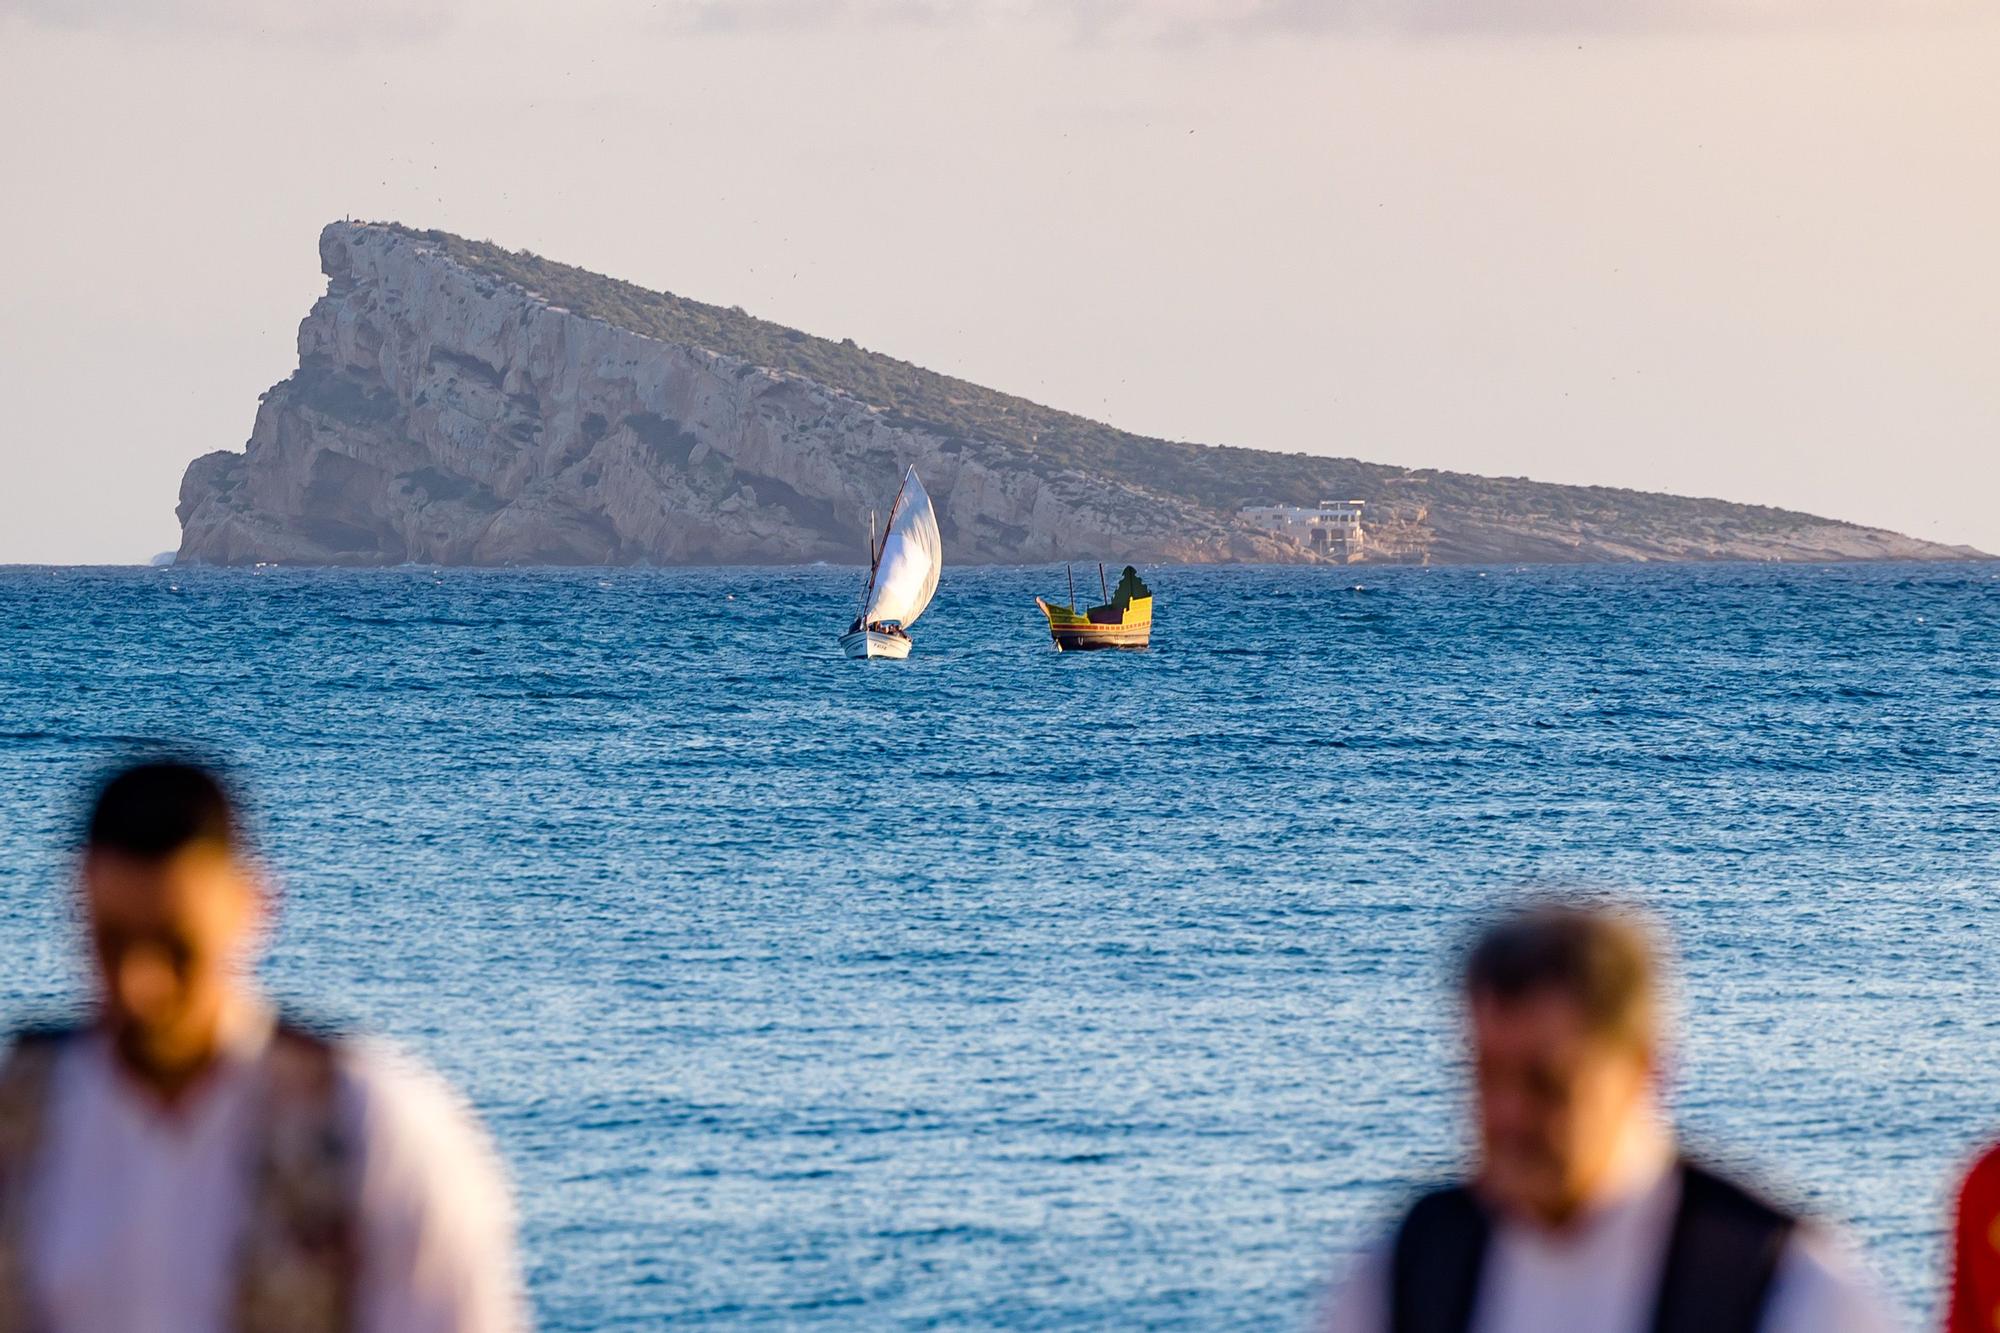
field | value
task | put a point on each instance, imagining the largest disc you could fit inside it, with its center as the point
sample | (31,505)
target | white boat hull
(867,643)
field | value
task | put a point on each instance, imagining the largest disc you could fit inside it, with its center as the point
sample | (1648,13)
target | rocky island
(460,403)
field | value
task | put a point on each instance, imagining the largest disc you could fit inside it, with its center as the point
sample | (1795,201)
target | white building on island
(1334,529)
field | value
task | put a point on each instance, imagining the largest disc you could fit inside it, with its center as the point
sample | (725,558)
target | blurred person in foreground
(188,1162)
(1581,1215)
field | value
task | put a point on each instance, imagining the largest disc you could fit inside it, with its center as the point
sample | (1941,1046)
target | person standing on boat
(186,1161)
(1581,1213)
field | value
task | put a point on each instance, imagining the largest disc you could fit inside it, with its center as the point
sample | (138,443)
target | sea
(1003,989)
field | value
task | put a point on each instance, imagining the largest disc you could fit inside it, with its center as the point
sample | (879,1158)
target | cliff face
(441,416)
(460,404)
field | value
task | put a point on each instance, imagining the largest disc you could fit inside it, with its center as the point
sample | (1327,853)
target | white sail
(906,572)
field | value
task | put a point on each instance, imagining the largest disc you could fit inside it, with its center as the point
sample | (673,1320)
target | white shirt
(135,1208)
(1602,1274)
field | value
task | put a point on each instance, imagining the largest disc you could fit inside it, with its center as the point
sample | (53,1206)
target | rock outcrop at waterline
(459,403)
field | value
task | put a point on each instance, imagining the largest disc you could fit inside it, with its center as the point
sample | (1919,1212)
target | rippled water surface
(1001,989)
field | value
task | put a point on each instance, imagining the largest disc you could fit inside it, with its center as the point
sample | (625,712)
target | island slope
(459,403)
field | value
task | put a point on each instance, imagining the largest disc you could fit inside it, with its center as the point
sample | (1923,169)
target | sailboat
(902,575)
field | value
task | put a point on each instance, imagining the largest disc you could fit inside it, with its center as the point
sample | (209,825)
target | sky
(1735,248)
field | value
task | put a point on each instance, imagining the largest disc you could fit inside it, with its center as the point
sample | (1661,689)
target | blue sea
(1001,989)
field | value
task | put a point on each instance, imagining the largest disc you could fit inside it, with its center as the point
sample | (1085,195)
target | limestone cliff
(457,403)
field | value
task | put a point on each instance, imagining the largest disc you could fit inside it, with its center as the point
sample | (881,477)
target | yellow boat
(1124,621)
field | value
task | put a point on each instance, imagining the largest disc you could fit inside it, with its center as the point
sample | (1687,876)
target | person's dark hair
(1600,958)
(154,809)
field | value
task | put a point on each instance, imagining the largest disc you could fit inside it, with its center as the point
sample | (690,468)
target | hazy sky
(1745,248)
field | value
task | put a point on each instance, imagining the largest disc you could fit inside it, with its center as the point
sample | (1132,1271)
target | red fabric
(1975,1267)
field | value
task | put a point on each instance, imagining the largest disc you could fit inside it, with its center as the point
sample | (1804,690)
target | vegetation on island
(1052,442)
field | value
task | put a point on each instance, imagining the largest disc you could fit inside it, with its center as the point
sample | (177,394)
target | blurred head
(1563,1021)
(172,907)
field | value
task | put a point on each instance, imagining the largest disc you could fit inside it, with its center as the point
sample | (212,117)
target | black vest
(298,1260)
(1721,1256)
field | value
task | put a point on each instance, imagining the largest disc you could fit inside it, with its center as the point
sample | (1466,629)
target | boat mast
(872,559)
(875,554)
(1071,571)
(1102,584)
